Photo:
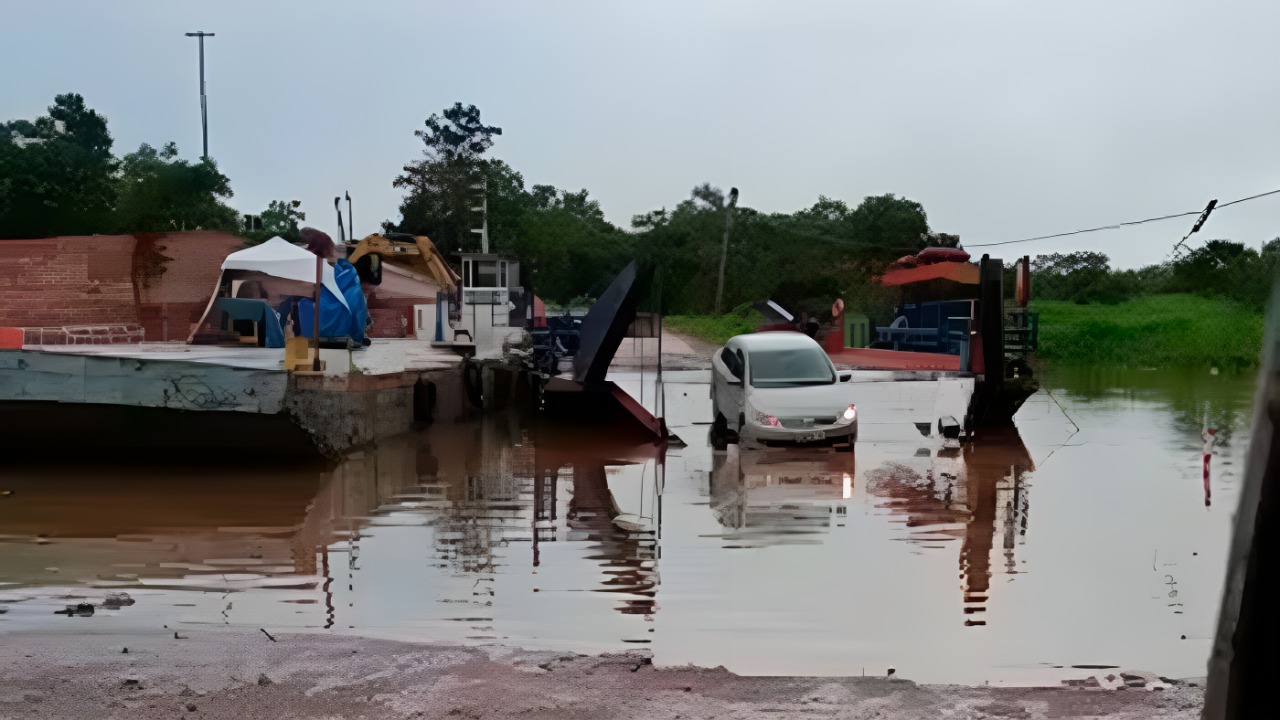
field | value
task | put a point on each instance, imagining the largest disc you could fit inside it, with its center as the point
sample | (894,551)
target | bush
(1152,331)
(717,329)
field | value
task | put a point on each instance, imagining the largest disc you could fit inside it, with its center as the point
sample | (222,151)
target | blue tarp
(257,311)
(337,320)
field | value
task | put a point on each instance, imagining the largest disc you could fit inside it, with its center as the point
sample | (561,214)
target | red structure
(110,288)
(392,303)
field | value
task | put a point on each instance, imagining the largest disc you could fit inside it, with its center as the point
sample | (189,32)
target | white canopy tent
(279,258)
(282,259)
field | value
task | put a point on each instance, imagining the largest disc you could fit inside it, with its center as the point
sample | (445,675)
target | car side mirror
(845,377)
(736,381)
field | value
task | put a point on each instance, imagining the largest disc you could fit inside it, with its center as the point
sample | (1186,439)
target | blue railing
(936,327)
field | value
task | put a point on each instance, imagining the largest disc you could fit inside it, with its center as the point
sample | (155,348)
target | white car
(781,387)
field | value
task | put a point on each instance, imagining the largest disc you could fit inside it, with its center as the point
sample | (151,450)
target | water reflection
(508,481)
(149,527)
(481,490)
(778,496)
(768,561)
(1196,398)
(976,493)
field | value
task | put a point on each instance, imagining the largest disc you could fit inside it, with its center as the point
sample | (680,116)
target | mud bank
(225,673)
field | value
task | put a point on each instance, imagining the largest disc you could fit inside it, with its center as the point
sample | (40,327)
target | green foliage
(58,177)
(1151,331)
(1253,274)
(887,227)
(458,134)
(57,174)
(566,246)
(716,328)
(442,188)
(160,192)
(803,260)
(279,219)
(568,249)
(1217,269)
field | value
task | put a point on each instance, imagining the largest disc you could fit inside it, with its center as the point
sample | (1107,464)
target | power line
(1251,197)
(1117,226)
(1086,230)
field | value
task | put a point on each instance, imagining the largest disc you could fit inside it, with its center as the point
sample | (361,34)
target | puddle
(1080,539)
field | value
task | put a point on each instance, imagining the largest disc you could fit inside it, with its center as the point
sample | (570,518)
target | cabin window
(489,273)
(484,273)
(732,361)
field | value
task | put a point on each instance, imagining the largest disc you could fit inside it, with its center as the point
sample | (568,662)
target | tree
(57,172)
(1070,276)
(442,188)
(458,134)
(886,227)
(566,246)
(279,219)
(160,192)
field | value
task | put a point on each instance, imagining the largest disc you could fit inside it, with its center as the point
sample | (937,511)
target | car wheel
(735,436)
(719,433)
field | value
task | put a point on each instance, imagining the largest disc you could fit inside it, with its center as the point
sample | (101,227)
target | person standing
(808,325)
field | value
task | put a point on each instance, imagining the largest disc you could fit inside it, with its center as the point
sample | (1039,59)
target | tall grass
(1151,331)
(715,329)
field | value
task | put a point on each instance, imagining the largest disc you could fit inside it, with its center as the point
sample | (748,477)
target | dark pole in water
(1244,661)
(661,408)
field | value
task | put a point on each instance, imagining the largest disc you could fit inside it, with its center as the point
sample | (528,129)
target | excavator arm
(416,253)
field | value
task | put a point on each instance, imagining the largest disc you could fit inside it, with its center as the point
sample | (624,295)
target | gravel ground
(242,674)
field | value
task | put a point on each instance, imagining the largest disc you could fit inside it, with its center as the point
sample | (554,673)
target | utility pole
(483,187)
(724,251)
(204,103)
(351,225)
(341,230)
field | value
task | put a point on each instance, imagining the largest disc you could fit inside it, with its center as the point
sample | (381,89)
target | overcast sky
(1004,119)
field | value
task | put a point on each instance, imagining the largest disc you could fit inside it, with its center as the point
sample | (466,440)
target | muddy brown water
(1082,537)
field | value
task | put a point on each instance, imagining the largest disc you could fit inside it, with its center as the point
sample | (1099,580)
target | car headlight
(850,413)
(767,420)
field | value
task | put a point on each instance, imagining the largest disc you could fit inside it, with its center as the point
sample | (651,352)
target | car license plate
(811,436)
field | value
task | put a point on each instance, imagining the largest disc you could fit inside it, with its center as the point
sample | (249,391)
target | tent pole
(315,336)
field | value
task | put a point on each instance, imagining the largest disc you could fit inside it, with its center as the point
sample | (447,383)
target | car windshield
(783,368)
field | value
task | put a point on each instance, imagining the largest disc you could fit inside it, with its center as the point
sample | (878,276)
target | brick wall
(159,283)
(173,298)
(54,283)
(83,335)
(387,322)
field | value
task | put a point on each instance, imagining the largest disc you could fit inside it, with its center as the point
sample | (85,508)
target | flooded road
(1084,537)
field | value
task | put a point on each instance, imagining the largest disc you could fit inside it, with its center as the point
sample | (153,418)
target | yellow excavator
(412,252)
(415,253)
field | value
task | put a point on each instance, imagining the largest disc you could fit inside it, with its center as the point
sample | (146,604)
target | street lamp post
(204,103)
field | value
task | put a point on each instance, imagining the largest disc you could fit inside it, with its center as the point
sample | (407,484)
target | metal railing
(1021,331)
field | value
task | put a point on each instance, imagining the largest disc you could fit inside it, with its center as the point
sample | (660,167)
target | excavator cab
(369,268)
(411,252)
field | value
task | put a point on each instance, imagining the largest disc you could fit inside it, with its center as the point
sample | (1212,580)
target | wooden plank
(1246,649)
